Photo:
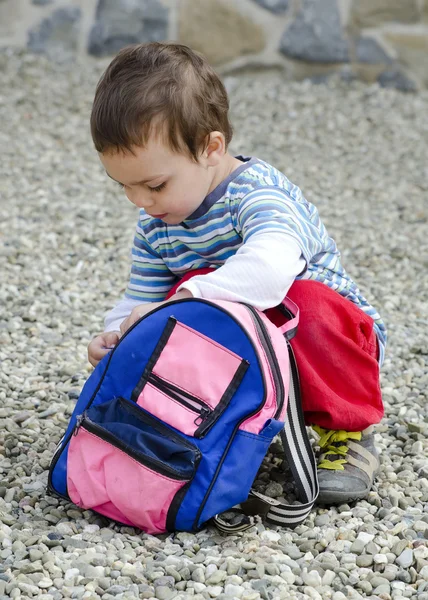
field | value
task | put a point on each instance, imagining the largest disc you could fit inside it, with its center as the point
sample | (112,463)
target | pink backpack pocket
(126,465)
(189,390)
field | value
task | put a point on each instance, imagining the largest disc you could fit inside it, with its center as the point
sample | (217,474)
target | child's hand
(101,345)
(138,312)
(142,309)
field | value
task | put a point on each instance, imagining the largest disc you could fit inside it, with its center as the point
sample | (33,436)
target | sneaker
(347,464)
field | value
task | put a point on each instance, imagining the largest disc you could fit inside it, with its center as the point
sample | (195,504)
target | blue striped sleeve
(272,209)
(150,279)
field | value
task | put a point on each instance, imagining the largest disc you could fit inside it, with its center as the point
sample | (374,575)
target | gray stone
(274,490)
(399,547)
(316,34)
(321,520)
(41,2)
(358,546)
(292,551)
(275,6)
(204,25)
(365,586)
(404,576)
(57,35)
(405,559)
(382,589)
(372,548)
(163,592)
(114,590)
(122,22)
(377,580)
(368,51)
(395,78)
(165,581)
(365,560)
(198,575)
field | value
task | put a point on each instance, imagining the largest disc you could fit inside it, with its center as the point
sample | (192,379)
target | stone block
(275,6)
(411,45)
(218,31)
(119,23)
(371,13)
(369,51)
(395,78)
(412,38)
(316,34)
(57,36)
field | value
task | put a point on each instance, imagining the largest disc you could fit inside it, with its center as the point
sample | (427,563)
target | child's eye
(158,188)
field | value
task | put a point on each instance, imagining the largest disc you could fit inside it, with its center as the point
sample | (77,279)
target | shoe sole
(333,497)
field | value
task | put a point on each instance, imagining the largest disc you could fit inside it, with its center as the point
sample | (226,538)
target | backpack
(171,427)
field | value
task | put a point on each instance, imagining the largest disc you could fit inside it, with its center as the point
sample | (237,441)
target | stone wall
(375,40)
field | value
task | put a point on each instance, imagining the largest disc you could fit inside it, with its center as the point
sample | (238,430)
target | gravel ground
(359,153)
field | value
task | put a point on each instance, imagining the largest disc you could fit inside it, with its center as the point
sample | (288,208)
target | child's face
(167,185)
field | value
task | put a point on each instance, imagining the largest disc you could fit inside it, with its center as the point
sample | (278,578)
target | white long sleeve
(260,273)
(119,313)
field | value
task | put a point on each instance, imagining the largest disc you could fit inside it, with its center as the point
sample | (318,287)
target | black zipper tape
(179,394)
(267,345)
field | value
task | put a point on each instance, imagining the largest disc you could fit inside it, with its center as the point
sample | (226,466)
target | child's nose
(143,201)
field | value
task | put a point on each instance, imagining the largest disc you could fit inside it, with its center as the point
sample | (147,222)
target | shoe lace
(328,437)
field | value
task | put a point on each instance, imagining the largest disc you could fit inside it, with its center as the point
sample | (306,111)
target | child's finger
(110,339)
(126,324)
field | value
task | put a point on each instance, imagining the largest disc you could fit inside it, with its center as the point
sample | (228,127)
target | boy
(216,226)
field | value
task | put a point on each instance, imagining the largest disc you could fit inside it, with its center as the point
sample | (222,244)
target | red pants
(336,353)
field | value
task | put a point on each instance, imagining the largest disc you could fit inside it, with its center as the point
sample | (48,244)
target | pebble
(357,546)
(234,590)
(365,560)
(405,559)
(380,559)
(377,580)
(312,579)
(322,520)
(163,593)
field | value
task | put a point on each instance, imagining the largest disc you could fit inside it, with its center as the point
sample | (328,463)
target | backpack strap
(300,457)
(291,311)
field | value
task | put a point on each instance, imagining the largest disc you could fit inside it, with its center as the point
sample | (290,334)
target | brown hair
(165,88)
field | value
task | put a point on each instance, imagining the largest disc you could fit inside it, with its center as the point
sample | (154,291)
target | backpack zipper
(84,421)
(273,361)
(182,397)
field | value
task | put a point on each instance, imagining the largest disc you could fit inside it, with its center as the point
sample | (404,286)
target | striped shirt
(255,198)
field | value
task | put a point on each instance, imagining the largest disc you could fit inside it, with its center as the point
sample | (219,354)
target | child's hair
(161,88)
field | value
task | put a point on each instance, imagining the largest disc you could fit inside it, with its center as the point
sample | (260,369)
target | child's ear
(215,149)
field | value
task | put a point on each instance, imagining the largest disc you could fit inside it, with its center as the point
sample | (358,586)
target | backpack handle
(291,310)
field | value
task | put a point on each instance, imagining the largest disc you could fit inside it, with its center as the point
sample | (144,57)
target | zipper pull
(202,416)
(78,425)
